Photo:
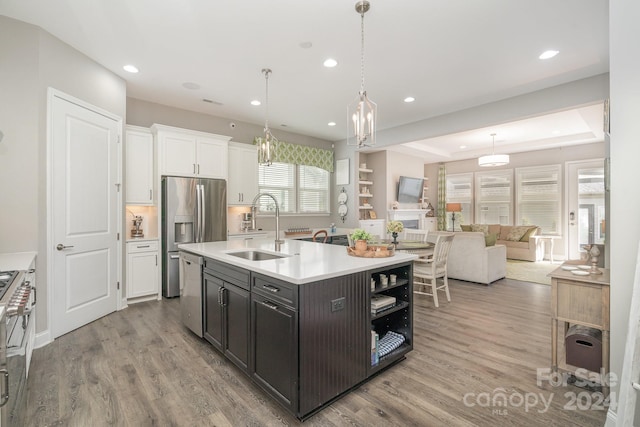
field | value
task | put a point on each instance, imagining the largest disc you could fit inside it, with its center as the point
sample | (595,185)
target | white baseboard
(42,339)
(612,419)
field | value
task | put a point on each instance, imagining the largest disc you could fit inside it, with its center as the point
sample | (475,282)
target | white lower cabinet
(143,272)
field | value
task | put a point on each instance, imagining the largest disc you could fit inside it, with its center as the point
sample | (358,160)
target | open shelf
(399,306)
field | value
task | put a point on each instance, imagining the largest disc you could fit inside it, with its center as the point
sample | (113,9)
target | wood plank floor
(140,367)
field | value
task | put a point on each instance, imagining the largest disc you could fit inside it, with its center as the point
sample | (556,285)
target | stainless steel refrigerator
(193,210)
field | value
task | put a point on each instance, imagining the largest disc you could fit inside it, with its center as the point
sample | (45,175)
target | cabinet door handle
(269,305)
(271,288)
(156,260)
(142,246)
(219,302)
(150,194)
(222,294)
(174,256)
(198,168)
(194,168)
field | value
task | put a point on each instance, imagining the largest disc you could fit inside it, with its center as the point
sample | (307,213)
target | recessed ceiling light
(548,54)
(306,45)
(190,85)
(462,147)
(331,123)
(556,132)
(409,99)
(255,102)
(330,63)
(131,68)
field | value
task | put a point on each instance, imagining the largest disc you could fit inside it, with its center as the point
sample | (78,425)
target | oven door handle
(5,393)
(33,288)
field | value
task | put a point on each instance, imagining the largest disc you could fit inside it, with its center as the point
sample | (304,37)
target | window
(539,197)
(493,197)
(298,188)
(460,190)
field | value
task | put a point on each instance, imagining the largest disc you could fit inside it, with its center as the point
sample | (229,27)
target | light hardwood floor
(140,367)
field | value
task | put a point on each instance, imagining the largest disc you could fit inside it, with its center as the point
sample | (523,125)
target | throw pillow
(530,232)
(490,239)
(516,233)
(465,227)
(480,227)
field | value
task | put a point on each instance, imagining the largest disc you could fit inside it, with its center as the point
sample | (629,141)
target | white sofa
(471,260)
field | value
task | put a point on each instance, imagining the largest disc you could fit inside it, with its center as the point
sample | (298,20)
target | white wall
(625,159)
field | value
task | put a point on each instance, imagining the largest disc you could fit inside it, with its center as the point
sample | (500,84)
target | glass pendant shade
(266,147)
(361,116)
(362,113)
(266,144)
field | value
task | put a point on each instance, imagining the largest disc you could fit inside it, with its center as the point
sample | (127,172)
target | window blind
(298,188)
(539,197)
(493,197)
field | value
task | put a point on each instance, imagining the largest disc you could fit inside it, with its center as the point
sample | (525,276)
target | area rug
(527,271)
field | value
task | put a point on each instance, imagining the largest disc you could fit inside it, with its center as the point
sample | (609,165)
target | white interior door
(585,204)
(84,208)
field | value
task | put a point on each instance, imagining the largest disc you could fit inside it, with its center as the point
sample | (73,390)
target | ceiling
(448,54)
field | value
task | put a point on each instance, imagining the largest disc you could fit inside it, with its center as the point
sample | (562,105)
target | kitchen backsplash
(149,216)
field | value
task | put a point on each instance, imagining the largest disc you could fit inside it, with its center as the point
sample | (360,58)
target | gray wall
(32,61)
(143,113)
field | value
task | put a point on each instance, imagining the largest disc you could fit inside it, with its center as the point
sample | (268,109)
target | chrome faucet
(253,217)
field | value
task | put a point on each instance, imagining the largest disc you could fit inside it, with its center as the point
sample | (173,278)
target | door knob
(60,246)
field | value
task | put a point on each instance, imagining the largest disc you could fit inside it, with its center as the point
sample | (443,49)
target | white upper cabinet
(186,152)
(243,174)
(139,166)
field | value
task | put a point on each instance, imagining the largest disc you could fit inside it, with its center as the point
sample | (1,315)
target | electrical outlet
(338,304)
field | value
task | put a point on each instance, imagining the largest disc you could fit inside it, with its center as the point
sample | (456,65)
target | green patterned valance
(296,154)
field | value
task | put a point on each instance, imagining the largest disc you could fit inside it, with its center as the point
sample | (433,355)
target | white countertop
(16,260)
(306,261)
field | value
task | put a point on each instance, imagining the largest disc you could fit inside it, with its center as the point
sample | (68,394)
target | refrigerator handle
(203,207)
(197,222)
(201,213)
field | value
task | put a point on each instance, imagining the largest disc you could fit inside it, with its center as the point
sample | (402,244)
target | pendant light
(362,113)
(267,144)
(493,159)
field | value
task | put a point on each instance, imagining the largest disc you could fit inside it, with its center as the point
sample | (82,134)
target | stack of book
(380,303)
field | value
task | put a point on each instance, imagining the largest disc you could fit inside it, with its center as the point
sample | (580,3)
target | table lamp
(453,208)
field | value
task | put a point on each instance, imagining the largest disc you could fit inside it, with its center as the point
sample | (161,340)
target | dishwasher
(191,292)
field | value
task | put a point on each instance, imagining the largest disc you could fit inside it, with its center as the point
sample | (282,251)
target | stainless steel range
(16,300)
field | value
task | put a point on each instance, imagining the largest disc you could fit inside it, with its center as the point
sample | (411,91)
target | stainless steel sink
(256,255)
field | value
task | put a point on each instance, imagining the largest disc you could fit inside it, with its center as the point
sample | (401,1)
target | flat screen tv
(409,189)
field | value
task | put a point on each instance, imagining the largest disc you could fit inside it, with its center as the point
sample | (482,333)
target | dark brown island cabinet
(305,345)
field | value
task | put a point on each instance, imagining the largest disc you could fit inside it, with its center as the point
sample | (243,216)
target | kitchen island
(301,325)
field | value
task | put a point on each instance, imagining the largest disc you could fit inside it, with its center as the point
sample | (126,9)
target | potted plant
(395,227)
(360,237)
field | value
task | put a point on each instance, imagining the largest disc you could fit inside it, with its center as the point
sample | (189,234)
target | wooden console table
(581,300)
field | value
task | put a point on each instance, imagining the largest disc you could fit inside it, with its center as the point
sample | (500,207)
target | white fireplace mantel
(420,215)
